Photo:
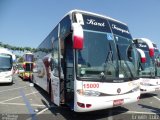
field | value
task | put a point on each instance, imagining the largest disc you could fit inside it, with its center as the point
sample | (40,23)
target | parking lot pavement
(22,101)
(20,95)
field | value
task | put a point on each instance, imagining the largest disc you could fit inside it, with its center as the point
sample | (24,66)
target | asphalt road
(21,101)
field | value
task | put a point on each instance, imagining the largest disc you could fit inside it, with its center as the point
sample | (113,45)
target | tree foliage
(14,48)
(20,60)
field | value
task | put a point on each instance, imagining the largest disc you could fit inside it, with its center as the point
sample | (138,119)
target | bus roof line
(143,39)
(104,16)
(76,10)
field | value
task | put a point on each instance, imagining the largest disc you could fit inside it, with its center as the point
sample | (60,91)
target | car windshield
(5,62)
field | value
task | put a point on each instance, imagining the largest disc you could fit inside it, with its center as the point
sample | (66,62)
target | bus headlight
(145,84)
(88,92)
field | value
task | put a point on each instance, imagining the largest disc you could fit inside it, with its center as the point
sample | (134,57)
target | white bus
(157,61)
(6,66)
(88,62)
(149,71)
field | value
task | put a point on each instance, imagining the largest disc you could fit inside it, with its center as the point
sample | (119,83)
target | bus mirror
(142,55)
(77,36)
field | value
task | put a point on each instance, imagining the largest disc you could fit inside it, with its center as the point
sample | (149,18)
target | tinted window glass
(120,29)
(95,23)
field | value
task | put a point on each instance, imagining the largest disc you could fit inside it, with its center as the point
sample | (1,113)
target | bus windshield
(98,59)
(91,60)
(157,63)
(147,68)
(5,62)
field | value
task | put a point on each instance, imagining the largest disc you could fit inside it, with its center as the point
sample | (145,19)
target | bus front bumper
(98,103)
(8,79)
(149,89)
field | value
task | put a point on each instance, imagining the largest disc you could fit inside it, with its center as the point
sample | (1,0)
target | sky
(26,23)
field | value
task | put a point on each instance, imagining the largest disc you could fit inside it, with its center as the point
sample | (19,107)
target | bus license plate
(118,102)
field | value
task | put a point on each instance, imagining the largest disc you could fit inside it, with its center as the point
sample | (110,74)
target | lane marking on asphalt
(42,111)
(156,98)
(17,97)
(45,109)
(28,104)
(22,104)
(12,89)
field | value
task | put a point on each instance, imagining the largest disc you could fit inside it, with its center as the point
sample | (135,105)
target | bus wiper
(109,54)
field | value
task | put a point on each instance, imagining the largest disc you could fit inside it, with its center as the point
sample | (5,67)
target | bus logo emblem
(118,90)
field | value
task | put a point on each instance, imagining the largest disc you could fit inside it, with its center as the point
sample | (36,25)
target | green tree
(20,60)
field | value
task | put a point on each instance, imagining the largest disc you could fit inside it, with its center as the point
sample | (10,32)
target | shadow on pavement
(153,109)
(147,95)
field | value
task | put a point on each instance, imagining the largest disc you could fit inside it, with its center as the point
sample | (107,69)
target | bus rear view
(6,69)
(28,63)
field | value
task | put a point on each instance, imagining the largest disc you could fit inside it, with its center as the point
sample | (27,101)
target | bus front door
(68,72)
